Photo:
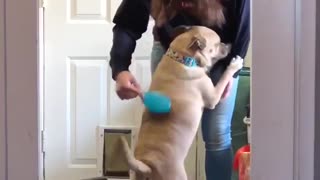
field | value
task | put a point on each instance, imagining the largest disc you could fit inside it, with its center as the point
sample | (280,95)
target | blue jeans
(216,128)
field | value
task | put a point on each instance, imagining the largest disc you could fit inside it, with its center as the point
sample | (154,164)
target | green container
(238,128)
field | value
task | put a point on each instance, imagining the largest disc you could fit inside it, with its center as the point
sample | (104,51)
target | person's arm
(242,39)
(131,21)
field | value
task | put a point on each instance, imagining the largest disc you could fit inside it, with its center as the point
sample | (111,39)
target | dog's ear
(224,49)
(197,43)
(179,30)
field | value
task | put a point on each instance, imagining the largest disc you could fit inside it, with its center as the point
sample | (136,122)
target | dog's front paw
(236,64)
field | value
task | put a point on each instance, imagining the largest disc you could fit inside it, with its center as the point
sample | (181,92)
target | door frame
(3,159)
(21,106)
(306,95)
(295,28)
(317,97)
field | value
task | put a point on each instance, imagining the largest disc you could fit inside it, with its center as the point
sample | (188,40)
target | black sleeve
(131,21)
(242,38)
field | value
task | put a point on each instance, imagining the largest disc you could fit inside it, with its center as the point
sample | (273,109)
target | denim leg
(156,55)
(216,129)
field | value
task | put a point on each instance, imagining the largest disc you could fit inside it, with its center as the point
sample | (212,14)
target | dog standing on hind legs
(164,139)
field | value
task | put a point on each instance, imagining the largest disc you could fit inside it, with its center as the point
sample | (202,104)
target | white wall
(2,97)
(273,45)
(22,89)
(283,102)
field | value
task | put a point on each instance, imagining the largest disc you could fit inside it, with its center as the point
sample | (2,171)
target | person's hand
(227,90)
(126,86)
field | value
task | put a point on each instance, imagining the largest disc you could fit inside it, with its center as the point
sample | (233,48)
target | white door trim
(41,90)
(22,90)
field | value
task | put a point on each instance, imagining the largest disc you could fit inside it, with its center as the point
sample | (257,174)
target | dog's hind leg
(134,164)
(139,176)
(175,172)
(182,173)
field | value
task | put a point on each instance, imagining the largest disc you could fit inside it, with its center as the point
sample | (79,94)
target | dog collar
(186,60)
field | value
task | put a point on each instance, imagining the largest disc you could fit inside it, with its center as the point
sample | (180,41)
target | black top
(131,21)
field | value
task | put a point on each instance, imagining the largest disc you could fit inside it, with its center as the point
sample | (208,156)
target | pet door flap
(115,164)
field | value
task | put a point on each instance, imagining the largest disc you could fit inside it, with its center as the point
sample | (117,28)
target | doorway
(79,65)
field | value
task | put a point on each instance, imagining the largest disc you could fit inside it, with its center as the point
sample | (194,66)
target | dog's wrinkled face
(203,43)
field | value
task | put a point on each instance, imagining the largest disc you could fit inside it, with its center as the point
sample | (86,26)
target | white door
(79,91)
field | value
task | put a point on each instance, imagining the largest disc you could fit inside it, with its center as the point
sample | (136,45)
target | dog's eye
(210,50)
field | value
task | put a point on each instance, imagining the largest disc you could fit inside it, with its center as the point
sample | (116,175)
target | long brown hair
(208,12)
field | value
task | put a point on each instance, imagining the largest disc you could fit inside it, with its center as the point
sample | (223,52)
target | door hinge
(42,3)
(43,141)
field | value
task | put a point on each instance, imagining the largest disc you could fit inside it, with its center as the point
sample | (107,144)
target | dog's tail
(134,164)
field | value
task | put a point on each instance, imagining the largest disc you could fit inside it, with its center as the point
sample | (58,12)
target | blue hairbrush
(156,102)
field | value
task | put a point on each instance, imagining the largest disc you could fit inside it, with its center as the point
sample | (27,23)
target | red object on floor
(245,148)
(244,166)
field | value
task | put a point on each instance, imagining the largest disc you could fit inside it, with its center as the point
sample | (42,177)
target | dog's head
(200,42)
